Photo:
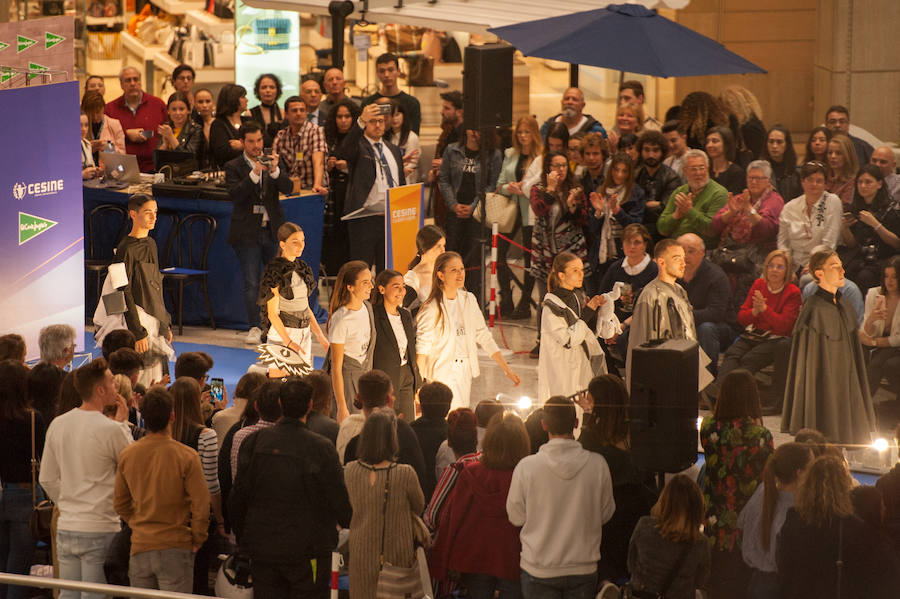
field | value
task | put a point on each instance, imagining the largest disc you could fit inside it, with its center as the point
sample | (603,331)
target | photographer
(254,181)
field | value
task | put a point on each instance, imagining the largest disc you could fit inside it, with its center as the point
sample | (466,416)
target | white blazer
(438,341)
(877,327)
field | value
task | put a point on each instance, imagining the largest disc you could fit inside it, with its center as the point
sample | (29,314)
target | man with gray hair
(692,206)
(140,114)
(883,158)
(57,344)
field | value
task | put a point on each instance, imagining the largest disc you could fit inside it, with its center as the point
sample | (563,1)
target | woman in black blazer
(395,341)
(224,133)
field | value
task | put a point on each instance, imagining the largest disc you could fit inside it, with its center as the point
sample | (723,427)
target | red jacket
(475,536)
(781,309)
(150,114)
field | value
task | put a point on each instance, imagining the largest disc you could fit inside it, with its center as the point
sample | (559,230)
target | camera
(266,157)
(385,109)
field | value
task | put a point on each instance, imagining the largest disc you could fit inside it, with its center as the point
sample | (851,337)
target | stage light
(524,403)
(699,421)
(880,445)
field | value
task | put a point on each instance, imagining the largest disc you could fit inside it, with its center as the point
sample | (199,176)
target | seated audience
(779,152)
(267,89)
(224,419)
(736,446)
(103,130)
(225,141)
(740,102)
(809,220)
(837,119)
(319,419)
(140,114)
(817,145)
(691,207)
(668,545)
(721,149)
(883,158)
(880,331)
(767,315)
(302,146)
(763,516)
(870,228)
(180,133)
(431,428)
(462,437)
(675,136)
(653,176)
(842,167)
(477,539)
(823,549)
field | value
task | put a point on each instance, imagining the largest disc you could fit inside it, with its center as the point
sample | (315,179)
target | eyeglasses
(841,121)
(757,178)
(696,169)
(815,163)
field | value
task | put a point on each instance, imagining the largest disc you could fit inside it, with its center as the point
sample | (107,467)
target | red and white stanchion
(493,296)
(335,572)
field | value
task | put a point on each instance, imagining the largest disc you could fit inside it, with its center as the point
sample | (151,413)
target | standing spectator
(594,154)
(462,439)
(827,388)
(721,149)
(572,116)
(335,90)
(476,537)
(736,446)
(223,420)
(629,120)
(159,487)
(811,219)
(319,419)
(102,129)
(656,179)
(837,118)
(817,145)
(341,118)
(16,420)
(196,365)
(140,114)
(883,158)
(302,144)
(183,77)
(692,206)
(312,96)
(881,328)
(740,102)
(451,132)
(12,347)
(674,133)
(842,167)
(431,428)
(44,381)
(395,341)
(225,140)
(823,549)
(57,344)
(78,472)
(561,497)
(95,83)
(289,501)
(267,413)
(667,545)
(462,188)
(763,516)
(870,230)
(204,107)
(179,133)
(375,166)
(406,139)
(254,184)
(385,495)
(779,152)
(700,112)
(387,67)
(267,89)
(632,91)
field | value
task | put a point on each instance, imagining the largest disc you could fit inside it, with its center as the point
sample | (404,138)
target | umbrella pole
(573,75)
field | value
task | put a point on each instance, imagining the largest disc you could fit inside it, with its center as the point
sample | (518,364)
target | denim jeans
(81,557)
(253,260)
(164,569)
(16,543)
(582,586)
(483,586)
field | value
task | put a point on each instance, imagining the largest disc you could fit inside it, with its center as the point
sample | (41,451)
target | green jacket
(699,218)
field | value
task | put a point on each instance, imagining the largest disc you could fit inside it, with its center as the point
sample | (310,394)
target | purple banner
(42,240)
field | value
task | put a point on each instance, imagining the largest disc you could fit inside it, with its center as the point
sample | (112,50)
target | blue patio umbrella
(625,37)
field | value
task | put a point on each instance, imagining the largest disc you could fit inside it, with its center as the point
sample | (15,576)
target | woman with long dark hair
(204,115)
(700,112)
(817,145)
(401,135)
(180,133)
(763,516)
(338,121)
(780,154)
(395,341)
(267,89)
(224,141)
(721,149)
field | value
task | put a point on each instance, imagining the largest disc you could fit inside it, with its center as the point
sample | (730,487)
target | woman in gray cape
(827,389)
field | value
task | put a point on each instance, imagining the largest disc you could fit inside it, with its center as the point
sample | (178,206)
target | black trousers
(291,580)
(367,240)
(756,355)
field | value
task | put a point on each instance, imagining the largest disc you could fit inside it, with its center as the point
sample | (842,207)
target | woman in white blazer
(449,329)
(881,327)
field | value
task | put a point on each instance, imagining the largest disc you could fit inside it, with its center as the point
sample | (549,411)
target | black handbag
(41,513)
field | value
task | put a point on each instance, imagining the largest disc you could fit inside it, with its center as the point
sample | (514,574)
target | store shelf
(137,48)
(211,24)
(205,75)
(177,7)
(104,21)
(104,68)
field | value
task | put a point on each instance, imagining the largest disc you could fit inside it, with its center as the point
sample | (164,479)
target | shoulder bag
(41,513)
(498,209)
(628,592)
(395,581)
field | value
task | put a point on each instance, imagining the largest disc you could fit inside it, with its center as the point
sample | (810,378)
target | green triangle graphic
(3,46)
(35,67)
(23,43)
(6,76)
(30,226)
(51,39)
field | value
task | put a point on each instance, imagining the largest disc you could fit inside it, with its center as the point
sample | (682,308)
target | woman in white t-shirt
(395,345)
(449,327)
(351,333)
(430,243)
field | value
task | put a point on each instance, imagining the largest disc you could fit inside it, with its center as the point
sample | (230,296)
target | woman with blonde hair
(824,550)
(668,554)
(842,168)
(740,101)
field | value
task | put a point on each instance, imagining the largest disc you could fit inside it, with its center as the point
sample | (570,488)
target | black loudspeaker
(663,408)
(487,86)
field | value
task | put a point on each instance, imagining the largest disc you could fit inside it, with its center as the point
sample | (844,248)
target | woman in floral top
(736,446)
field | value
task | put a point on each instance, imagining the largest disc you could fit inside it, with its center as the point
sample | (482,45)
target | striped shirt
(208,448)
(239,437)
(297,151)
(432,516)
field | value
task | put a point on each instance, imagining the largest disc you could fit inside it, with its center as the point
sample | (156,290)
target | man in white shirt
(78,472)
(561,497)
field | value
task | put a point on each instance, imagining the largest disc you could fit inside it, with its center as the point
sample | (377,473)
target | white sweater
(78,470)
(561,497)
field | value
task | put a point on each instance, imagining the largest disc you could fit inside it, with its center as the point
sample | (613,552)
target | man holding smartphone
(140,114)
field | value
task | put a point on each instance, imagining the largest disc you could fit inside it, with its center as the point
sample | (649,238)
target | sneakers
(254,336)
(535,352)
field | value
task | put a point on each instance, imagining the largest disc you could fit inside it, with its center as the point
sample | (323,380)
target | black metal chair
(187,260)
(106,226)
(165,233)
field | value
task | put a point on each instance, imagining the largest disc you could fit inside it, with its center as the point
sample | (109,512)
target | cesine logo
(37,189)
